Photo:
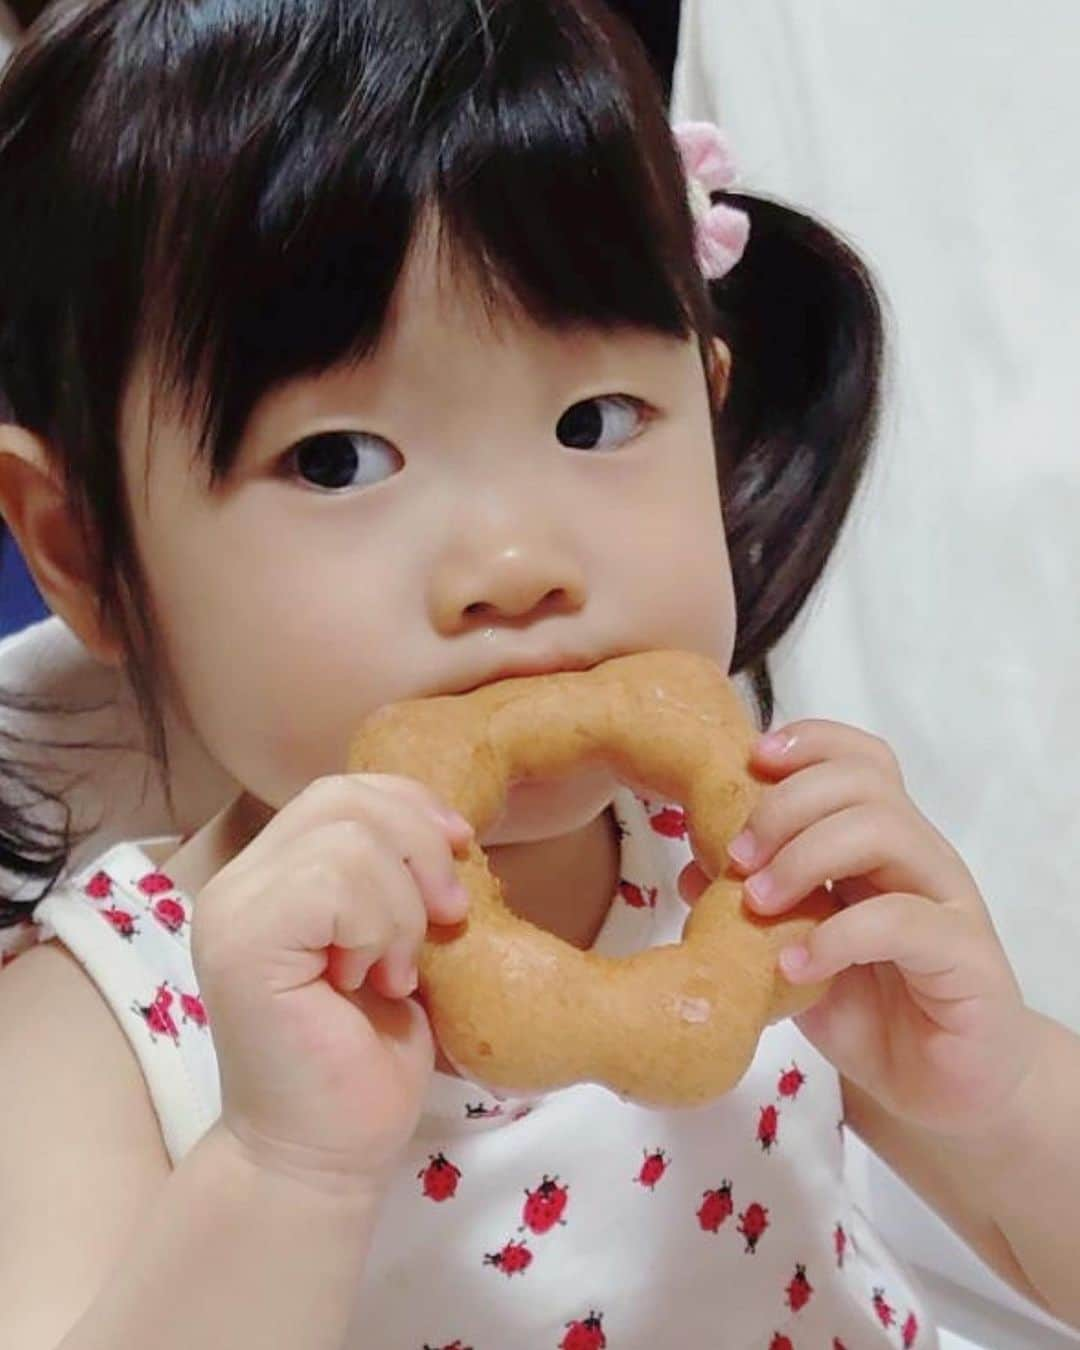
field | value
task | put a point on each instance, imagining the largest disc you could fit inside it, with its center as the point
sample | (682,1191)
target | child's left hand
(924,1013)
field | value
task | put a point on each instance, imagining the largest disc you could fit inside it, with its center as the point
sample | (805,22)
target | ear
(719,372)
(36,508)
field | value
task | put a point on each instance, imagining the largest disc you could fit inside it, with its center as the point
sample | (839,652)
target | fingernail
(743,848)
(794,960)
(411,982)
(458,895)
(762,888)
(776,743)
(456,821)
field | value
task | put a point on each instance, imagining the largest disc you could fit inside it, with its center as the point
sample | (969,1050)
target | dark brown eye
(336,460)
(600,423)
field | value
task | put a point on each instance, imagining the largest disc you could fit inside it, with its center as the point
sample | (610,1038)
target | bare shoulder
(81,1153)
(61,1046)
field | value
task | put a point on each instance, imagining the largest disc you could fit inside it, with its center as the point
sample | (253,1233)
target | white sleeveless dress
(573,1221)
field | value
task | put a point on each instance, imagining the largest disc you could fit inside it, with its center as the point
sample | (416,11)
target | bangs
(286,153)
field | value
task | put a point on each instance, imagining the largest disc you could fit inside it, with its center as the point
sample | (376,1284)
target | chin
(547,808)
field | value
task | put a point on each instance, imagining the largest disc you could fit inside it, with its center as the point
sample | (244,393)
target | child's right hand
(304,946)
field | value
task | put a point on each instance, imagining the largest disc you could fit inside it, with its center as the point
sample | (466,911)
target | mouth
(525,666)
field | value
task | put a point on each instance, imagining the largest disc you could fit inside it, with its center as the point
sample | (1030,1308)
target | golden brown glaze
(521,1011)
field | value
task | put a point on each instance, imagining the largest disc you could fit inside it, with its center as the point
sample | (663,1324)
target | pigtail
(35,829)
(804,321)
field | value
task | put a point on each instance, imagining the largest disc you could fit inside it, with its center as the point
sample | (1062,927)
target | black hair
(234,185)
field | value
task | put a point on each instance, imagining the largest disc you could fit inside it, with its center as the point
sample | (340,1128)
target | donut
(520,1011)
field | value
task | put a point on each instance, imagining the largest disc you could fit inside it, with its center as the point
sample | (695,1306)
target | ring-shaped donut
(521,1011)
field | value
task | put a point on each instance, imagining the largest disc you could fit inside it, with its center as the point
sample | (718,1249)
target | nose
(514,583)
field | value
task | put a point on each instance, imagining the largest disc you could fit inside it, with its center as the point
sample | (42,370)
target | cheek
(678,571)
(273,658)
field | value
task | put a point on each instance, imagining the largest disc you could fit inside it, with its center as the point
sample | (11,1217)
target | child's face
(464,537)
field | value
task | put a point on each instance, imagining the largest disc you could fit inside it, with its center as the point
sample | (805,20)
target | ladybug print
(122,922)
(155,883)
(753,1222)
(99,887)
(716,1207)
(637,898)
(440,1178)
(156,1015)
(840,1244)
(909,1331)
(779,1342)
(838,1344)
(482,1112)
(587,1334)
(652,1169)
(194,1009)
(170,913)
(798,1290)
(791,1080)
(670,822)
(768,1123)
(514,1259)
(886,1313)
(544,1207)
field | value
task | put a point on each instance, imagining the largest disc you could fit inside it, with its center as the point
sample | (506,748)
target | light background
(943,140)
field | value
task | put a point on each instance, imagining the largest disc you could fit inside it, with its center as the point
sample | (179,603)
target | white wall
(944,141)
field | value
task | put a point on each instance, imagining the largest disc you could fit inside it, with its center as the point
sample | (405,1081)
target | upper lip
(522,665)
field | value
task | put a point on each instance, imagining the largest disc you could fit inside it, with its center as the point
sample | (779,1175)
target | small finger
(793,805)
(813,741)
(891,848)
(693,883)
(345,797)
(460,830)
(936,947)
(407,829)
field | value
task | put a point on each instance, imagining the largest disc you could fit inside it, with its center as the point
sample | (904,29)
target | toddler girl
(393,356)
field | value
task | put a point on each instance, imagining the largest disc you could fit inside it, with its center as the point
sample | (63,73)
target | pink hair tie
(722,231)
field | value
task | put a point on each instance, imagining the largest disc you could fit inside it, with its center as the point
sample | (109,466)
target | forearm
(232,1255)
(1013,1191)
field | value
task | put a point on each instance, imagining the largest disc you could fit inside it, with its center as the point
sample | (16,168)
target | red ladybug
(768,1123)
(587,1334)
(909,1331)
(99,887)
(753,1222)
(440,1178)
(155,883)
(779,1342)
(170,913)
(838,1344)
(636,897)
(514,1259)
(157,1016)
(839,1244)
(886,1314)
(653,1168)
(121,920)
(544,1207)
(670,822)
(791,1080)
(716,1206)
(194,1009)
(799,1289)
